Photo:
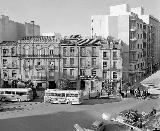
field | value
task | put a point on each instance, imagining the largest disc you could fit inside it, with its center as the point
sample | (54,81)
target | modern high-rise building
(133,28)
(13,31)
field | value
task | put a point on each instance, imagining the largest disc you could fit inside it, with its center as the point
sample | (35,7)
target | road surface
(36,116)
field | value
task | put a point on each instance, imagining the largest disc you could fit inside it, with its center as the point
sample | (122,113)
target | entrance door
(52,84)
(82,85)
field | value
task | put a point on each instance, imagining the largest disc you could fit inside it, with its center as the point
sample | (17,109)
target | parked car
(98,126)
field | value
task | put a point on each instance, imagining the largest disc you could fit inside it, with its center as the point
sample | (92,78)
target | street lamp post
(33,46)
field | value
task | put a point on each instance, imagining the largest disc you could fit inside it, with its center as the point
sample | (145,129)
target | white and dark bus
(16,94)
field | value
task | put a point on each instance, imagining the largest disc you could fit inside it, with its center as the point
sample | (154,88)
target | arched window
(51,50)
(27,50)
(38,50)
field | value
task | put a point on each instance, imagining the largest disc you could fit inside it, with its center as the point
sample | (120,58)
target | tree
(64,84)
(108,88)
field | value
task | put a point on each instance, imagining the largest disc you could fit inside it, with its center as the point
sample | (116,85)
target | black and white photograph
(79,65)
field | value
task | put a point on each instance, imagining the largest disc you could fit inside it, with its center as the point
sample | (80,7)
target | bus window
(7,92)
(72,95)
(1,92)
(13,92)
(63,94)
(21,93)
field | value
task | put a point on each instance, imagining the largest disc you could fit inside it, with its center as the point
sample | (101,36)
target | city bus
(63,96)
(16,94)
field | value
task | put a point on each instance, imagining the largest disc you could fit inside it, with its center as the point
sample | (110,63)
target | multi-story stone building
(31,58)
(90,62)
(39,60)
(10,62)
(87,62)
(135,30)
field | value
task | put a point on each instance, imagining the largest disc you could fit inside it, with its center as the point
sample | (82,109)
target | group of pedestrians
(136,92)
(139,93)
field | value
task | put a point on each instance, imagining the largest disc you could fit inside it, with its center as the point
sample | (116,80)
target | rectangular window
(93,72)
(72,50)
(64,72)
(38,63)
(104,63)
(114,75)
(82,72)
(105,54)
(83,51)
(104,74)
(4,52)
(93,51)
(135,67)
(26,74)
(39,74)
(93,61)
(114,64)
(114,55)
(92,85)
(64,62)
(64,51)
(137,25)
(71,72)
(71,61)
(82,62)
(13,51)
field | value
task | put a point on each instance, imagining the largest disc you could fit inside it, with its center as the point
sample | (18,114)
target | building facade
(90,63)
(31,58)
(138,31)
(10,61)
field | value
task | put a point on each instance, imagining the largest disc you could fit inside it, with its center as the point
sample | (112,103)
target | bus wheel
(70,102)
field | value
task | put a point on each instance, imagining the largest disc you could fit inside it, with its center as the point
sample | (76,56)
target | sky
(67,17)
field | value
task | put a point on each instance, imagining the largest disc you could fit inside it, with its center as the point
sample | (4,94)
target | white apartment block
(133,28)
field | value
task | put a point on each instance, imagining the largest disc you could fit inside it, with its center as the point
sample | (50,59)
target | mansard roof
(38,39)
(8,43)
(79,41)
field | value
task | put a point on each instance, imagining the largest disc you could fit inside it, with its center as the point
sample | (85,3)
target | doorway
(52,85)
(82,85)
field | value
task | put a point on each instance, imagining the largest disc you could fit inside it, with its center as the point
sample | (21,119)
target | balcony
(51,77)
(39,77)
(28,67)
(133,61)
(39,67)
(14,55)
(83,54)
(82,66)
(133,39)
(133,28)
(10,66)
(70,66)
(96,66)
(51,67)
(106,58)
(115,58)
